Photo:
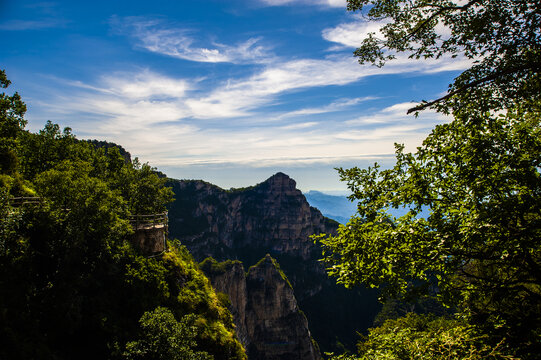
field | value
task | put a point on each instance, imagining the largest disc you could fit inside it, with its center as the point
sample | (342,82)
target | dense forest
(73,286)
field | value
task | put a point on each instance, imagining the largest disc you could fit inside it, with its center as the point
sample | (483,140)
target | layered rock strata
(272,217)
(268,320)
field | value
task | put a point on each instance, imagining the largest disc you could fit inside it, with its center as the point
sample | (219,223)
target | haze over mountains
(336,207)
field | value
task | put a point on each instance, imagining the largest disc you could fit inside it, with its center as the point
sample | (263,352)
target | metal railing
(148,221)
(21,201)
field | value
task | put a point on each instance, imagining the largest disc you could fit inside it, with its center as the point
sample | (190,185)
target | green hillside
(72,285)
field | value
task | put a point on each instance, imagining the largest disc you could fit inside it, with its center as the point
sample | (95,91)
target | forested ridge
(72,285)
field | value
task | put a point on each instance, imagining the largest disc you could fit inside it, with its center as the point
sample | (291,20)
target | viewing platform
(150,233)
(22,201)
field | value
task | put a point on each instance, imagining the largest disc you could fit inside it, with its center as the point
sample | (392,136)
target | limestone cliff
(268,320)
(229,278)
(272,217)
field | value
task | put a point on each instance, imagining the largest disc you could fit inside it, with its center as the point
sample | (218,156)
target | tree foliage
(72,286)
(500,37)
(12,110)
(163,337)
(426,337)
(479,247)
(470,237)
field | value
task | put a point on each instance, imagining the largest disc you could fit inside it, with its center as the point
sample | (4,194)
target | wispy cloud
(238,97)
(21,25)
(157,36)
(352,34)
(39,16)
(396,114)
(329,3)
(332,107)
(159,125)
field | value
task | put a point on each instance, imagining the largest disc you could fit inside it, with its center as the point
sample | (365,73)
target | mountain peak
(281,182)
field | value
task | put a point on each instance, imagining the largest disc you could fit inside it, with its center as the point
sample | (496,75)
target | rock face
(273,215)
(229,278)
(273,218)
(269,322)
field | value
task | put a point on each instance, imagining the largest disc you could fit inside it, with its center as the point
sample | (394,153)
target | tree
(12,122)
(426,337)
(163,337)
(501,37)
(479,247)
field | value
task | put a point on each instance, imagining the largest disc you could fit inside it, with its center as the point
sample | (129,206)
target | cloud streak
(157,124)
(156,36)
(326,3)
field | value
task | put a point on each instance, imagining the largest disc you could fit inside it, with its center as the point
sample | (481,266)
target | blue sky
(226,91)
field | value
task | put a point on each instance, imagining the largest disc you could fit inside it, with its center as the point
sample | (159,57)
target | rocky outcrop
(228,277)
(268,320)
(273,215)
(273,218)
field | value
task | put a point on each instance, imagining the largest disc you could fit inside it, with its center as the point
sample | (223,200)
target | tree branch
(468,86)
(440,11)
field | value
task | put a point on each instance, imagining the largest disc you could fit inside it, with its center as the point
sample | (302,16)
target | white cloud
(332,107)
(162,129)
(299,126)
(144,85)
(329,3)
(159,117)
(156,36)
(352,34)
(396,114)
(239,97)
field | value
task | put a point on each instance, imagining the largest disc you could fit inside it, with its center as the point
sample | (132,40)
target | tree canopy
(480,184)
(72,285)
(470,236)
(502,38)
(426,337)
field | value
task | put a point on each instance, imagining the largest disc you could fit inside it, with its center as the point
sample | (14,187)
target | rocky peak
(272,216)
(280,183)
(266,314)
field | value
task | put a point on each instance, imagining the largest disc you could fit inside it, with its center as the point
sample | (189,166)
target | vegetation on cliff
(71,284)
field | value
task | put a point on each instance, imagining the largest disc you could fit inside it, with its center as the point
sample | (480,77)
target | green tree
(479,247)
(44,150)
(426,337)
(12,122)
(71,283)
(163,337)
(502,37)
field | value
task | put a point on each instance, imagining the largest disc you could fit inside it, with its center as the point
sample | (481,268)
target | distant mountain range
(338,208)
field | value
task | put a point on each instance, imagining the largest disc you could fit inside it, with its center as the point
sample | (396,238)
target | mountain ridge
(273,217)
